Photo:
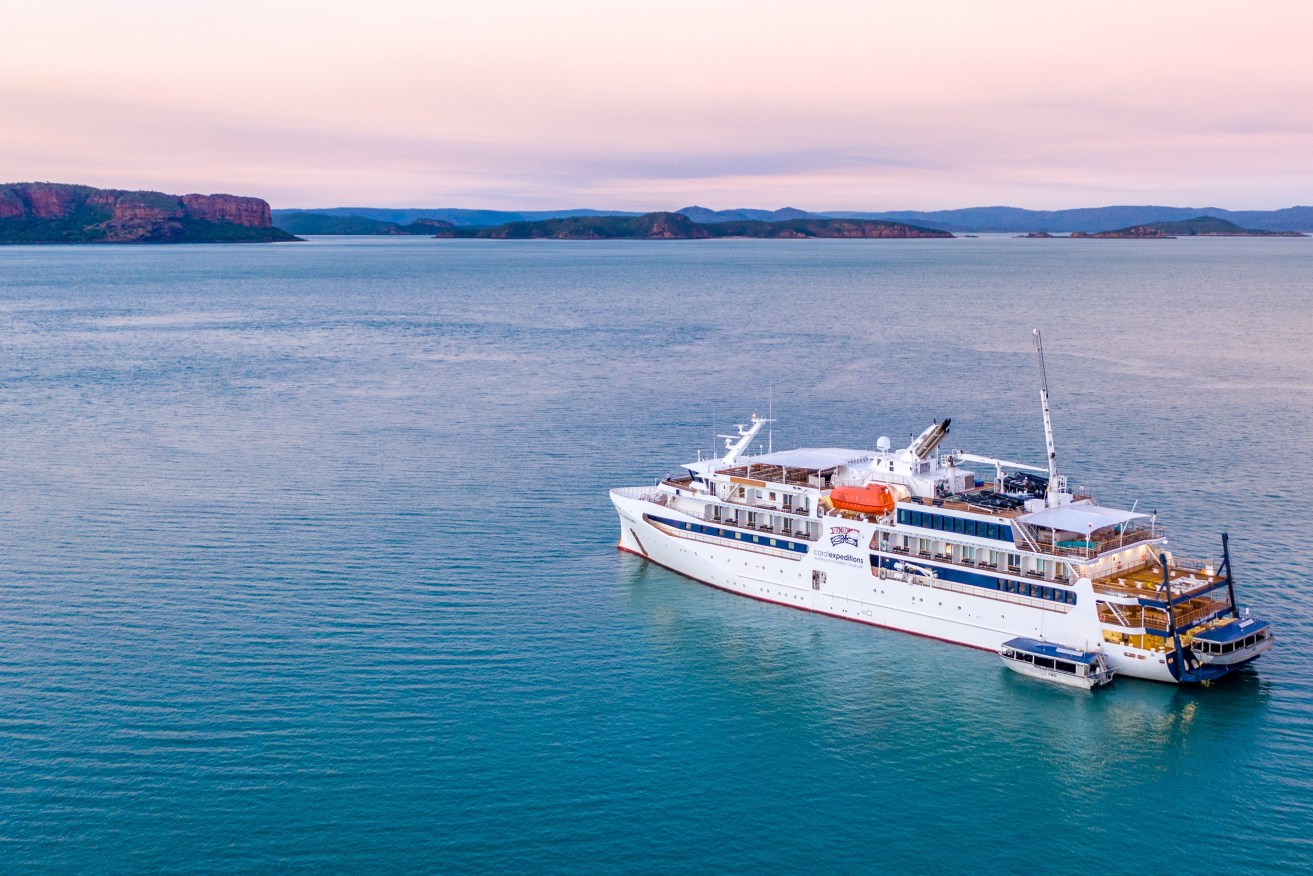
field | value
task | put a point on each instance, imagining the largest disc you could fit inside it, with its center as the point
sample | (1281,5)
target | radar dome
(883,444)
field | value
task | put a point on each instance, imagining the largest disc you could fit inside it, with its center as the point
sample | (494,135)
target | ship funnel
(927,441)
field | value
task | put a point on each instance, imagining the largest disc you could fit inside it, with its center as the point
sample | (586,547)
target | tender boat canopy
(1232,631)
(1080,517)
(1049,649)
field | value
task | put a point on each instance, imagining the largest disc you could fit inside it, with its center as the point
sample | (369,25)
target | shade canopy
(1079,517)
(815,458)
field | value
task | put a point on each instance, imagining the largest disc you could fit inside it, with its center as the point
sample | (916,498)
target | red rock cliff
(60,201)
(251,212)
(59,213)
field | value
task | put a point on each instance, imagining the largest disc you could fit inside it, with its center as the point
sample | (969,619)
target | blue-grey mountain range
(967,220)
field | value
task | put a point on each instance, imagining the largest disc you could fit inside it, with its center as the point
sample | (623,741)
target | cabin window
(1064,666)
(1044,662)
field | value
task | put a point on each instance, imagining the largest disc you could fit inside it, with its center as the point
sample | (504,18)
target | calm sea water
(308,563)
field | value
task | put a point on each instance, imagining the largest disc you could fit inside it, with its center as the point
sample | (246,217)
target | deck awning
(1079,517)
(813,458)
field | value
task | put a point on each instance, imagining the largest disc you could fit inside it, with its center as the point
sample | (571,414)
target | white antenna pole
(770,415)
(1048,421)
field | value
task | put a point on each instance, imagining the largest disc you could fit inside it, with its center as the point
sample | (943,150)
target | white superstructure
(912,540)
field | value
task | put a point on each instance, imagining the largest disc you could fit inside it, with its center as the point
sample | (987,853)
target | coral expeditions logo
(843,535)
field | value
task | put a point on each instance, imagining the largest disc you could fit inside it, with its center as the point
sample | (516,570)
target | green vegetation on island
(676,226)
(1199,226)
(325,223)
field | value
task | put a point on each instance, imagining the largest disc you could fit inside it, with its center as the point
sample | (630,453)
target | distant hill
(1012,220)
(703,215)
(321,223)
(677,226)
(1091,219)
(1199,226)
(43,212)
(454,215)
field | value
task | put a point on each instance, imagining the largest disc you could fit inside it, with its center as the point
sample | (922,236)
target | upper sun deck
(804,467)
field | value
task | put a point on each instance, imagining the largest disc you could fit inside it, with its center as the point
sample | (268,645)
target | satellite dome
(883,444)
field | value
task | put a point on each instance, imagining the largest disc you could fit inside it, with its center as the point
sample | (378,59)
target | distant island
(41,212)
(1199,226)
(323,223)
(677,226)
(972,220)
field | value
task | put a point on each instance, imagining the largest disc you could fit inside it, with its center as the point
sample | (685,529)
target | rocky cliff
(59,213)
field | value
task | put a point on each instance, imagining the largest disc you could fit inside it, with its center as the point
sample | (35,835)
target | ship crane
(1057,484)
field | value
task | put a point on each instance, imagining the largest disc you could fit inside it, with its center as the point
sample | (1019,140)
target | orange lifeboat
(871,499)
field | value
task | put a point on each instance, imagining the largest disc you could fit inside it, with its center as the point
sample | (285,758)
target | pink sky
(623,105)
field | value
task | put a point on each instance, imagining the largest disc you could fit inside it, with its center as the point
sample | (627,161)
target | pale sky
(626,105)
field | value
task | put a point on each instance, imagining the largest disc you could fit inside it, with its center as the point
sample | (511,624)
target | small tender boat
(1051,662)
(1233,643)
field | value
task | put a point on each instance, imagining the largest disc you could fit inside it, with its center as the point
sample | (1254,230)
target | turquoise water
(308,563)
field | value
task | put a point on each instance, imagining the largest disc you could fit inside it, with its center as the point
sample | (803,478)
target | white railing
(646,494)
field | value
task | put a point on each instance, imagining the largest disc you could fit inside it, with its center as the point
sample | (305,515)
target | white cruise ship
(913,540)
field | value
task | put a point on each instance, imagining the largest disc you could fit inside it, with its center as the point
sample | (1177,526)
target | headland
(42,212)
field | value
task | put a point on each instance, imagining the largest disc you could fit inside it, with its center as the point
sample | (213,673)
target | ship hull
(837,579)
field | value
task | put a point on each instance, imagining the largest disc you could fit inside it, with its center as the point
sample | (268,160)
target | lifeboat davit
(870,499)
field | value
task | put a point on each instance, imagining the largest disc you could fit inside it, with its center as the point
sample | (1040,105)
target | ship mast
(1054,484)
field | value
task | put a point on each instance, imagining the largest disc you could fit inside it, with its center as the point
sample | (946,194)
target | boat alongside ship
(1058,663)
(912,540)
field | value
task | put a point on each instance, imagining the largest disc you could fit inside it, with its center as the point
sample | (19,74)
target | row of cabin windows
(767,541)
(928,547)
(959,525)
(1038,591)
(1043,662)
(1205,647)
(1013,564)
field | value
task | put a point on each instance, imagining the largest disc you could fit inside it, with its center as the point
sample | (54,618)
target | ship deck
(1146,580)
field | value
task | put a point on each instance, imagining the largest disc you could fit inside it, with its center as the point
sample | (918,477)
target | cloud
(847,105)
